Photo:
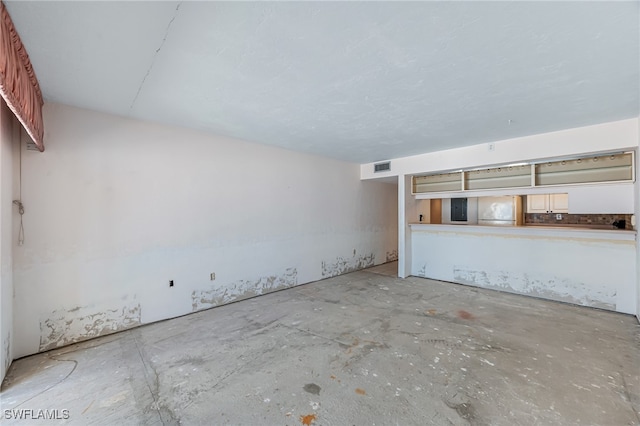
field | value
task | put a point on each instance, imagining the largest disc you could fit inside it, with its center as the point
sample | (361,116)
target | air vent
(382,167)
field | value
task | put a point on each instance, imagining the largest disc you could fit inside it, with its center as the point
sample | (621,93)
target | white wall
(407,212)
(8,157)
(116,208)
(617,135)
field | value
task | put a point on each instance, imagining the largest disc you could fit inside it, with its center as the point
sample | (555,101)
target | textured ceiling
(358,81)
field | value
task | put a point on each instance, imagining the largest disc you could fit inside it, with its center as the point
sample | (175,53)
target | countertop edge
(613,234)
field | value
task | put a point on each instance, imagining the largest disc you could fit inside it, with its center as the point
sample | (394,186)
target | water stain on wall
(243,289)
(392,256)
(546,287)
(343,266)
(64,327)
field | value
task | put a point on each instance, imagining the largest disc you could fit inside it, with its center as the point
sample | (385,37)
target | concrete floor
(360,349)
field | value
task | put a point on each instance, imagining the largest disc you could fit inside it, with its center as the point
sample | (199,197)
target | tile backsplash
(587,220)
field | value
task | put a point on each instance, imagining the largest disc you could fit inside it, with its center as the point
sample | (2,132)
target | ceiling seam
(153,61)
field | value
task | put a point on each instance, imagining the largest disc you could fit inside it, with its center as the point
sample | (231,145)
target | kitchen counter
(545,231)
(588,267)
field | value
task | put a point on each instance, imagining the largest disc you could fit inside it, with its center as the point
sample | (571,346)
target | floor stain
(465,410)
(431,312)
(360,391)
(308,419)
(312,388)
(465,315)
(442,343)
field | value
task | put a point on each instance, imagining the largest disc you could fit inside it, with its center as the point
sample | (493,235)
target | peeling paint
(392,256)
(422,272)
(343,266)
(243,289)
(65,327)
(562,289)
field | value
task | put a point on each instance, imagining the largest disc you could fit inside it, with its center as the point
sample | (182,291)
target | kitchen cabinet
(559,203)
(548,203)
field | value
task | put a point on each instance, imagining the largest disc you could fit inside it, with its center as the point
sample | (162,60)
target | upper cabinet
(559,203)
(603,168)
(548,203)
(615,167)
(538,203)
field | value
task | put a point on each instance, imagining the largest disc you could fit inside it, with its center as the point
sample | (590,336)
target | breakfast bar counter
(589,267)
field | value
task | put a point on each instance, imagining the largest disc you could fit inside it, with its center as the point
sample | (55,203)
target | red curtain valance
(18,83)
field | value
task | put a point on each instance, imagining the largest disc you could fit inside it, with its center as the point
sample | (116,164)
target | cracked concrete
(361,348)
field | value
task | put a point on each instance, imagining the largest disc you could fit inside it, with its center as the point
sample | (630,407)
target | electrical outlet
(558,216)
(170,283)
(213,276)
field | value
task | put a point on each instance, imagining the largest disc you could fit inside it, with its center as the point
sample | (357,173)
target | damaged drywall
(243,289)
(392,256)
(422,272)
(64,327)
(342,266)
(562,289)
(123,245)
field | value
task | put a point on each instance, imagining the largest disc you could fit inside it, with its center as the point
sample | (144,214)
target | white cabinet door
(548,203)
(538,203)
(559,203)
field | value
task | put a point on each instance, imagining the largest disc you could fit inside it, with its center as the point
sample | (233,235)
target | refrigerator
(500,211)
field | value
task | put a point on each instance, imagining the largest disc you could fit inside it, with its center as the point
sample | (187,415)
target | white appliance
(500,211)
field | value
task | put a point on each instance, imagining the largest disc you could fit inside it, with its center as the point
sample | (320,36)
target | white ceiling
(358,81)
